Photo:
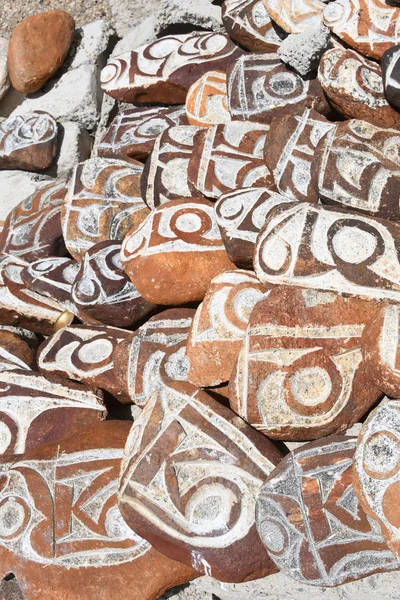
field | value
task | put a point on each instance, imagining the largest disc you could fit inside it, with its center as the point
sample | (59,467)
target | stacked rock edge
(198,309)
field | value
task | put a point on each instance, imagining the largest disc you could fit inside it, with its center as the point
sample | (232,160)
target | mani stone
(155,355)
(376,470)
(207,100)
(354,87)
(164,70)
(259,85)
(52,277)
(103,202)
(290,150)
(300,373)
(329,249)
(28,142)
(37,49)
(249,24)
(173,255)
(295,18)
(165,175)
(390,66)
(368,26)
(311,521)
(133,131)
(16,351)
(34,411)
(61,527)
(219,326)
(102,291)
(240,215)
(379,345)
(21,306)
(32,230)
(227,157)
(352,169)
(84,354)
(190,477)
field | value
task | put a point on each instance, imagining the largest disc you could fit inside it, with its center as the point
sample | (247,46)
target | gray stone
(76,96)
(279,587)
(128,14)
(15,186)
(141,34)
(198,13)
(302,51)
(75,147)
(10,101)
(4,81)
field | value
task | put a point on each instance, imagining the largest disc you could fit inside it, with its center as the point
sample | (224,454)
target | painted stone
(327,249)
(379,345)
(207,100)
(102,291)
(164,70)
(34,411)
(368,26)
(189,482)
(28,142)
(390,65)
(103,203)
(357,175)
(240,216)
(155,355)
(84,354)
(300,373)
(354,87)
(249,24)
(133,131)
(227,157)
(21,306)
(293,138)
(311,521)
(376,469)
(52,277)
(32,229)
(16,352)
(219,327)
(61,527)
(294,18)
(173,255)
(38,47)
(165,175)
(259,85)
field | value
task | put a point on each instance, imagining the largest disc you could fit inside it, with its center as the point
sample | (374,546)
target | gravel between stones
(83,11)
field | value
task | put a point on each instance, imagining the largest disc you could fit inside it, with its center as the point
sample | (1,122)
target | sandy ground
(83,11)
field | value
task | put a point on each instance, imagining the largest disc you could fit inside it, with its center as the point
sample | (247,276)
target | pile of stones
(197,313)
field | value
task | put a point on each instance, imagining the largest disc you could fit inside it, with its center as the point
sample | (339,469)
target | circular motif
(95,352)
(354,245)
(273,535)
(5,437)
(311,386)
(12,517)
(188,223)
(284,84)
(381,455)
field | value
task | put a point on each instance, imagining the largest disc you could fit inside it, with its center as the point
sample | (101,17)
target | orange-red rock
(175,252)
(38,47)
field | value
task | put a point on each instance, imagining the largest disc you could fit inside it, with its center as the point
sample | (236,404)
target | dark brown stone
(212,465)
(32,229)
(259,85)
(28,142)
(16,351)
(61,528)
(300,373)
(85,354)
(133,131)
(155,355)
(227,157)
(163,70)
(102,291)
(311,521)
(390,66)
